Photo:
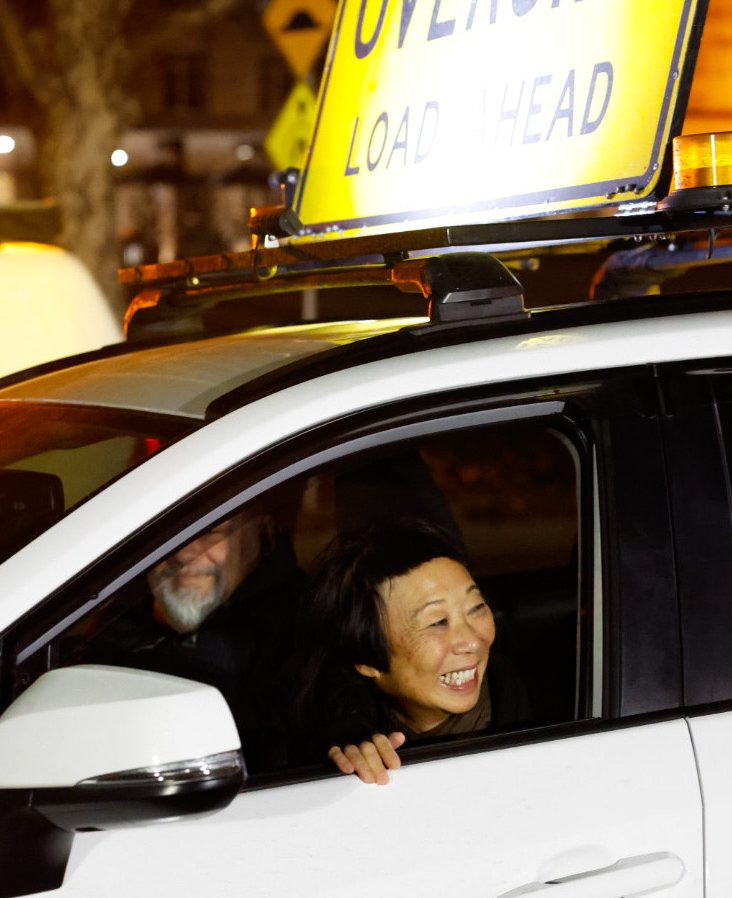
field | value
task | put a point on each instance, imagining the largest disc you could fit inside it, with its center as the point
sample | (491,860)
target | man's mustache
(174,568)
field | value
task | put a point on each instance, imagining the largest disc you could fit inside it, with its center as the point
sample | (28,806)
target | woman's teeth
(458,677)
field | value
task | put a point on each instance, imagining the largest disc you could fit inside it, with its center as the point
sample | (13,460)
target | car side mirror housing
(30,501)
(95,747)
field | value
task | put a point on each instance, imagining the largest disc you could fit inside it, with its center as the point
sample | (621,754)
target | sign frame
(580,197)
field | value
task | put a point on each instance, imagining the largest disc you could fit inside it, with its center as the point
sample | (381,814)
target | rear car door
(698,430)
(599,795)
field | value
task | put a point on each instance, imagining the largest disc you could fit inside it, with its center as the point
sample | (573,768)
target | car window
(53,457)
(698,442)
(513,494)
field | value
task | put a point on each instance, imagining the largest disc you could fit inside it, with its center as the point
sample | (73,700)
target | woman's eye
(442,622)
(479,608)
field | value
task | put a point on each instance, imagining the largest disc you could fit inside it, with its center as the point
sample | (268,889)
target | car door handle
(624,879)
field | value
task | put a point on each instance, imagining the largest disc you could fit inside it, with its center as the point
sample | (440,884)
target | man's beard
(186,607)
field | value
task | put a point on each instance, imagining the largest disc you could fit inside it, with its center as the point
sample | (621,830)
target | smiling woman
(440,631)
(400,645)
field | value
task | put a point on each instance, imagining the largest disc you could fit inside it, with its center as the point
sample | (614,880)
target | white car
(50,306)
(583,454)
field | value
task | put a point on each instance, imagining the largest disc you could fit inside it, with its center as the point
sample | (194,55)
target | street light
(244,152)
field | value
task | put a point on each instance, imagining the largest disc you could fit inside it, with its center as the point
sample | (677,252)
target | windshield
(52,457)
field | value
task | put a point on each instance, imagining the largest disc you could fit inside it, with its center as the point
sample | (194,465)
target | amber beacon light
(702,175)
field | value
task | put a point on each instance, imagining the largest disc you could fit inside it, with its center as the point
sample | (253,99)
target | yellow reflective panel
(452,112)
(287,141)
(702,160)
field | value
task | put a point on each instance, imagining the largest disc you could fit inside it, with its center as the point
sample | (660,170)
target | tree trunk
(84,120)
(74,68)
(77,171)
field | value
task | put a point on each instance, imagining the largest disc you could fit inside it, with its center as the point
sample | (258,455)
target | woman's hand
(372,760)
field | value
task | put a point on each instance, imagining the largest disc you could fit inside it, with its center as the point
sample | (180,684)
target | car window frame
(548,398)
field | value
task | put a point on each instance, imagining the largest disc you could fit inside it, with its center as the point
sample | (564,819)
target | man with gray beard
(188,586)
(220,610)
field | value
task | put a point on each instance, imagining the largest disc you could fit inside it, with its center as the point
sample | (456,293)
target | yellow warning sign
(452,112)
(289,137)
(300,28)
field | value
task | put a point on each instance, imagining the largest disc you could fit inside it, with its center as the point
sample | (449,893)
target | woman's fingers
(340,760)
(371,760)
(365,758)
(387,751)
(397,740)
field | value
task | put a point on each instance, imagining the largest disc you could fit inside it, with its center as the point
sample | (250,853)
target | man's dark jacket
(240,648)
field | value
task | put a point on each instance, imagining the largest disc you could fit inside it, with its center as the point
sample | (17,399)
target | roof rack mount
(459,286)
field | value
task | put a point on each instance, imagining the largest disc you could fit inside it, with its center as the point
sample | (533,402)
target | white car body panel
(479,824)
(78,540)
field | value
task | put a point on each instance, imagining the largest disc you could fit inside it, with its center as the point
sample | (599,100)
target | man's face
(201,576)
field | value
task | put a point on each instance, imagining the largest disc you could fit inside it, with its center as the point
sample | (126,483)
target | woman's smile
(460,680)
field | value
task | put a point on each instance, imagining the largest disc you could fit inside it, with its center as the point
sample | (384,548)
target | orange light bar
(145,299)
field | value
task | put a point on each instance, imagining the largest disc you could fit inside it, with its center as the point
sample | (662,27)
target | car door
(601,799)
(698,432)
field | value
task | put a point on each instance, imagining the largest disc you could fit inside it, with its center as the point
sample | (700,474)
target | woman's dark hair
(343,618)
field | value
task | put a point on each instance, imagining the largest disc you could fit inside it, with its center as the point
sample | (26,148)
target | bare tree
(72,57)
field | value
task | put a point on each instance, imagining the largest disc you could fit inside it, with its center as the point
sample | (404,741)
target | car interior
(508,493)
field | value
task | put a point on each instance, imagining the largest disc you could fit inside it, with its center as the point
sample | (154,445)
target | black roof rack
(173,295)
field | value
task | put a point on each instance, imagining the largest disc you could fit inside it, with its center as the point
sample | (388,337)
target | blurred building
(196,160)
(193,162)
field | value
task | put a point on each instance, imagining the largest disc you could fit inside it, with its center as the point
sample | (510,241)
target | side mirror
(94,747)
(30,501)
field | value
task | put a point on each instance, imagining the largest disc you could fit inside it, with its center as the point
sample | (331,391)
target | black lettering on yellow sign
(379,143)
(532,111)
(440,26)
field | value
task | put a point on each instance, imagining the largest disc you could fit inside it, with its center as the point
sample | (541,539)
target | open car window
(514,494)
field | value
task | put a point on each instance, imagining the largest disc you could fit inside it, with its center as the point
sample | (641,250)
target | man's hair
(344,618)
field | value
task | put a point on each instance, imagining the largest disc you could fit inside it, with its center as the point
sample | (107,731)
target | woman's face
(440,631)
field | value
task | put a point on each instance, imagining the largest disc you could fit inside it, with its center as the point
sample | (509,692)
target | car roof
(185,378)
(201,379)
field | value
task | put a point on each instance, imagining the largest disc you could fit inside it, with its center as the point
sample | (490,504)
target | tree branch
(201,12)
(36,77)
(192,16)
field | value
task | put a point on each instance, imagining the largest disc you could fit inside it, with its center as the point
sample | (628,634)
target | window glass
(184,82)
(53,457)
(509,494)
